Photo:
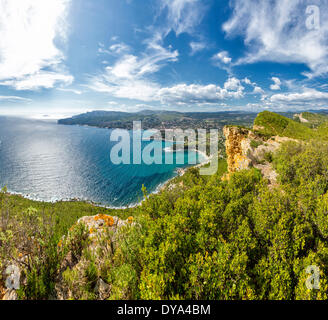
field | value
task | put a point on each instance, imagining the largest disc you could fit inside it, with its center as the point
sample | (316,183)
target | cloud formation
(258,90)
(29,56)
(148,91)
(130,76)
(280,31)
(223,56)
(197,46)
(276,84)
(198,94)
(182,15)
(308,95)
(14,99)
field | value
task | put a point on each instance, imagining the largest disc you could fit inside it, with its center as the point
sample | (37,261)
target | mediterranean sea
(44,161)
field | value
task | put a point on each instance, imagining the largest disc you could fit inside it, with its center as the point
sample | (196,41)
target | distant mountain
(160,119)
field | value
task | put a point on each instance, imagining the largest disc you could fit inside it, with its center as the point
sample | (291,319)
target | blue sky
(63,57)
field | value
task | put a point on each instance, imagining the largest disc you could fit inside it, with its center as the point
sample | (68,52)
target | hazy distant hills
(205,120)
(160,119)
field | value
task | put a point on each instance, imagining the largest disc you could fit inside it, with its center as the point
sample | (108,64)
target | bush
(255,144)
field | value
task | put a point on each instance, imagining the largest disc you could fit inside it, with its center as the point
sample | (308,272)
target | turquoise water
(50,162)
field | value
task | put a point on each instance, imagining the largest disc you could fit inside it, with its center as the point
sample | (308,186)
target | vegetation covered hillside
(160,119)
(312,120)
(273,124)
(217,237)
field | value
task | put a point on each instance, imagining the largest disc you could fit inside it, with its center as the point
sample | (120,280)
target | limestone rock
(102,289)
(241,155)
(300,117)
(100,224)
(10,295)
(237,146)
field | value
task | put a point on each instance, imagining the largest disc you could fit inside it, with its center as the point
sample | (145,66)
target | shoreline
(179,172)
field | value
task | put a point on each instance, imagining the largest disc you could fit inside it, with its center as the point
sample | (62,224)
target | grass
(65,213)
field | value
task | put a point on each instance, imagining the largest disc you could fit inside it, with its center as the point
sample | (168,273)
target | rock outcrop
(237,146)
(246,149)
(100,224)
(102,236)
(301,118)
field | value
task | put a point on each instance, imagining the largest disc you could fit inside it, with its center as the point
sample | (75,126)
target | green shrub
(255,144)
(268,156)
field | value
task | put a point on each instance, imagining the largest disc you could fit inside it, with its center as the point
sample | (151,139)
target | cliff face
(245,150)
(237,147)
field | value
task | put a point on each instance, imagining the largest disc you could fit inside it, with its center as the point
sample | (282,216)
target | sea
(45,161)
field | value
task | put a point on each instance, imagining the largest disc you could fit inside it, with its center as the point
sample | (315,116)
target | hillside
(160,119)
(311,120)
(234,235)
(272,124)
(312,126)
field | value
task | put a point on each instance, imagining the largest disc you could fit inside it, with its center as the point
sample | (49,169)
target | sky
(64,57)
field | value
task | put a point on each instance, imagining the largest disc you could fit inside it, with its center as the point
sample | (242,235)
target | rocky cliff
(237,146)
(246,149)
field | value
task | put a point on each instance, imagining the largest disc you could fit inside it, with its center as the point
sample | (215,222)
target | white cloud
(124,88)
(197,47)
(132,67)
(14,99)
(78,92)
(276,31)
(276,84)
(127,78)
(114,49)
(30,31)
(303,99)
(247,81)
(308,95)
(258,90)
(223,56)
(183,15)
(195,94)
(233,84)
(182,93)
(119,48)
(132,76)
(42,79)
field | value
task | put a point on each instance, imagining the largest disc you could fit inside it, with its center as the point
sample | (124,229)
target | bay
(45,161)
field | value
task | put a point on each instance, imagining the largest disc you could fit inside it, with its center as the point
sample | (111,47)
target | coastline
(178,173)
